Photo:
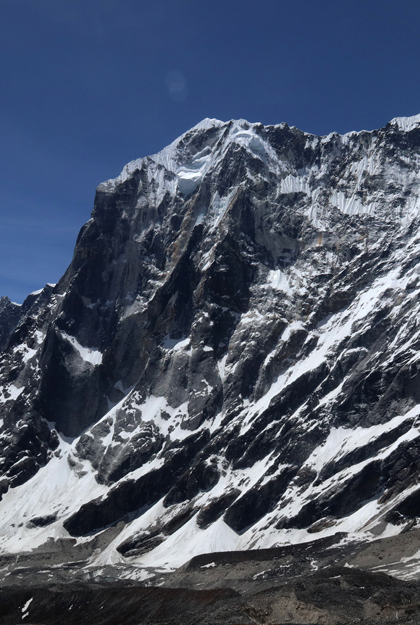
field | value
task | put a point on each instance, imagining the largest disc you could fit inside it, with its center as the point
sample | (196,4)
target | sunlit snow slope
(231,359)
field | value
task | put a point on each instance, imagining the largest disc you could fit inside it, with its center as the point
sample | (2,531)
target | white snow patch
(278,280)
(55,488)
(175,344)
(10,392)
(291,329)
(341,440)
(152,409)
(25,351)
(221,366)
(190,541)
(27,604)
(93,356)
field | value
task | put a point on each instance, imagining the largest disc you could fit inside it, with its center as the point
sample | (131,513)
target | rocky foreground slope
(231,360)
(306,583)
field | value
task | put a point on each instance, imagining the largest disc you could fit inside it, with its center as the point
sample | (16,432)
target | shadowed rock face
(9,318)
(232,350)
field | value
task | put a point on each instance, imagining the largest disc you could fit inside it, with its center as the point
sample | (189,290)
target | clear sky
(88,85)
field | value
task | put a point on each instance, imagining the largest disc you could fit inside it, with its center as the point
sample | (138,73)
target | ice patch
(190,175)
(244,135)
(188,181)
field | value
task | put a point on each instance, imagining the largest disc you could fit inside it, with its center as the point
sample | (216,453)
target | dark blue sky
(88,85)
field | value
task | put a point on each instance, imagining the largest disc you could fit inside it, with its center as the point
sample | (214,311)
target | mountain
(231,360)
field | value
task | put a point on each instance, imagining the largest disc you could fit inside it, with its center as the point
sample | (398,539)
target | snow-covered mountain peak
(208,123)
(240,131)
(232,357)
(406,123)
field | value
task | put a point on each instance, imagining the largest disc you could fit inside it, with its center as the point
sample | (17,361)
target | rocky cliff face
(9,317)
(231,359)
